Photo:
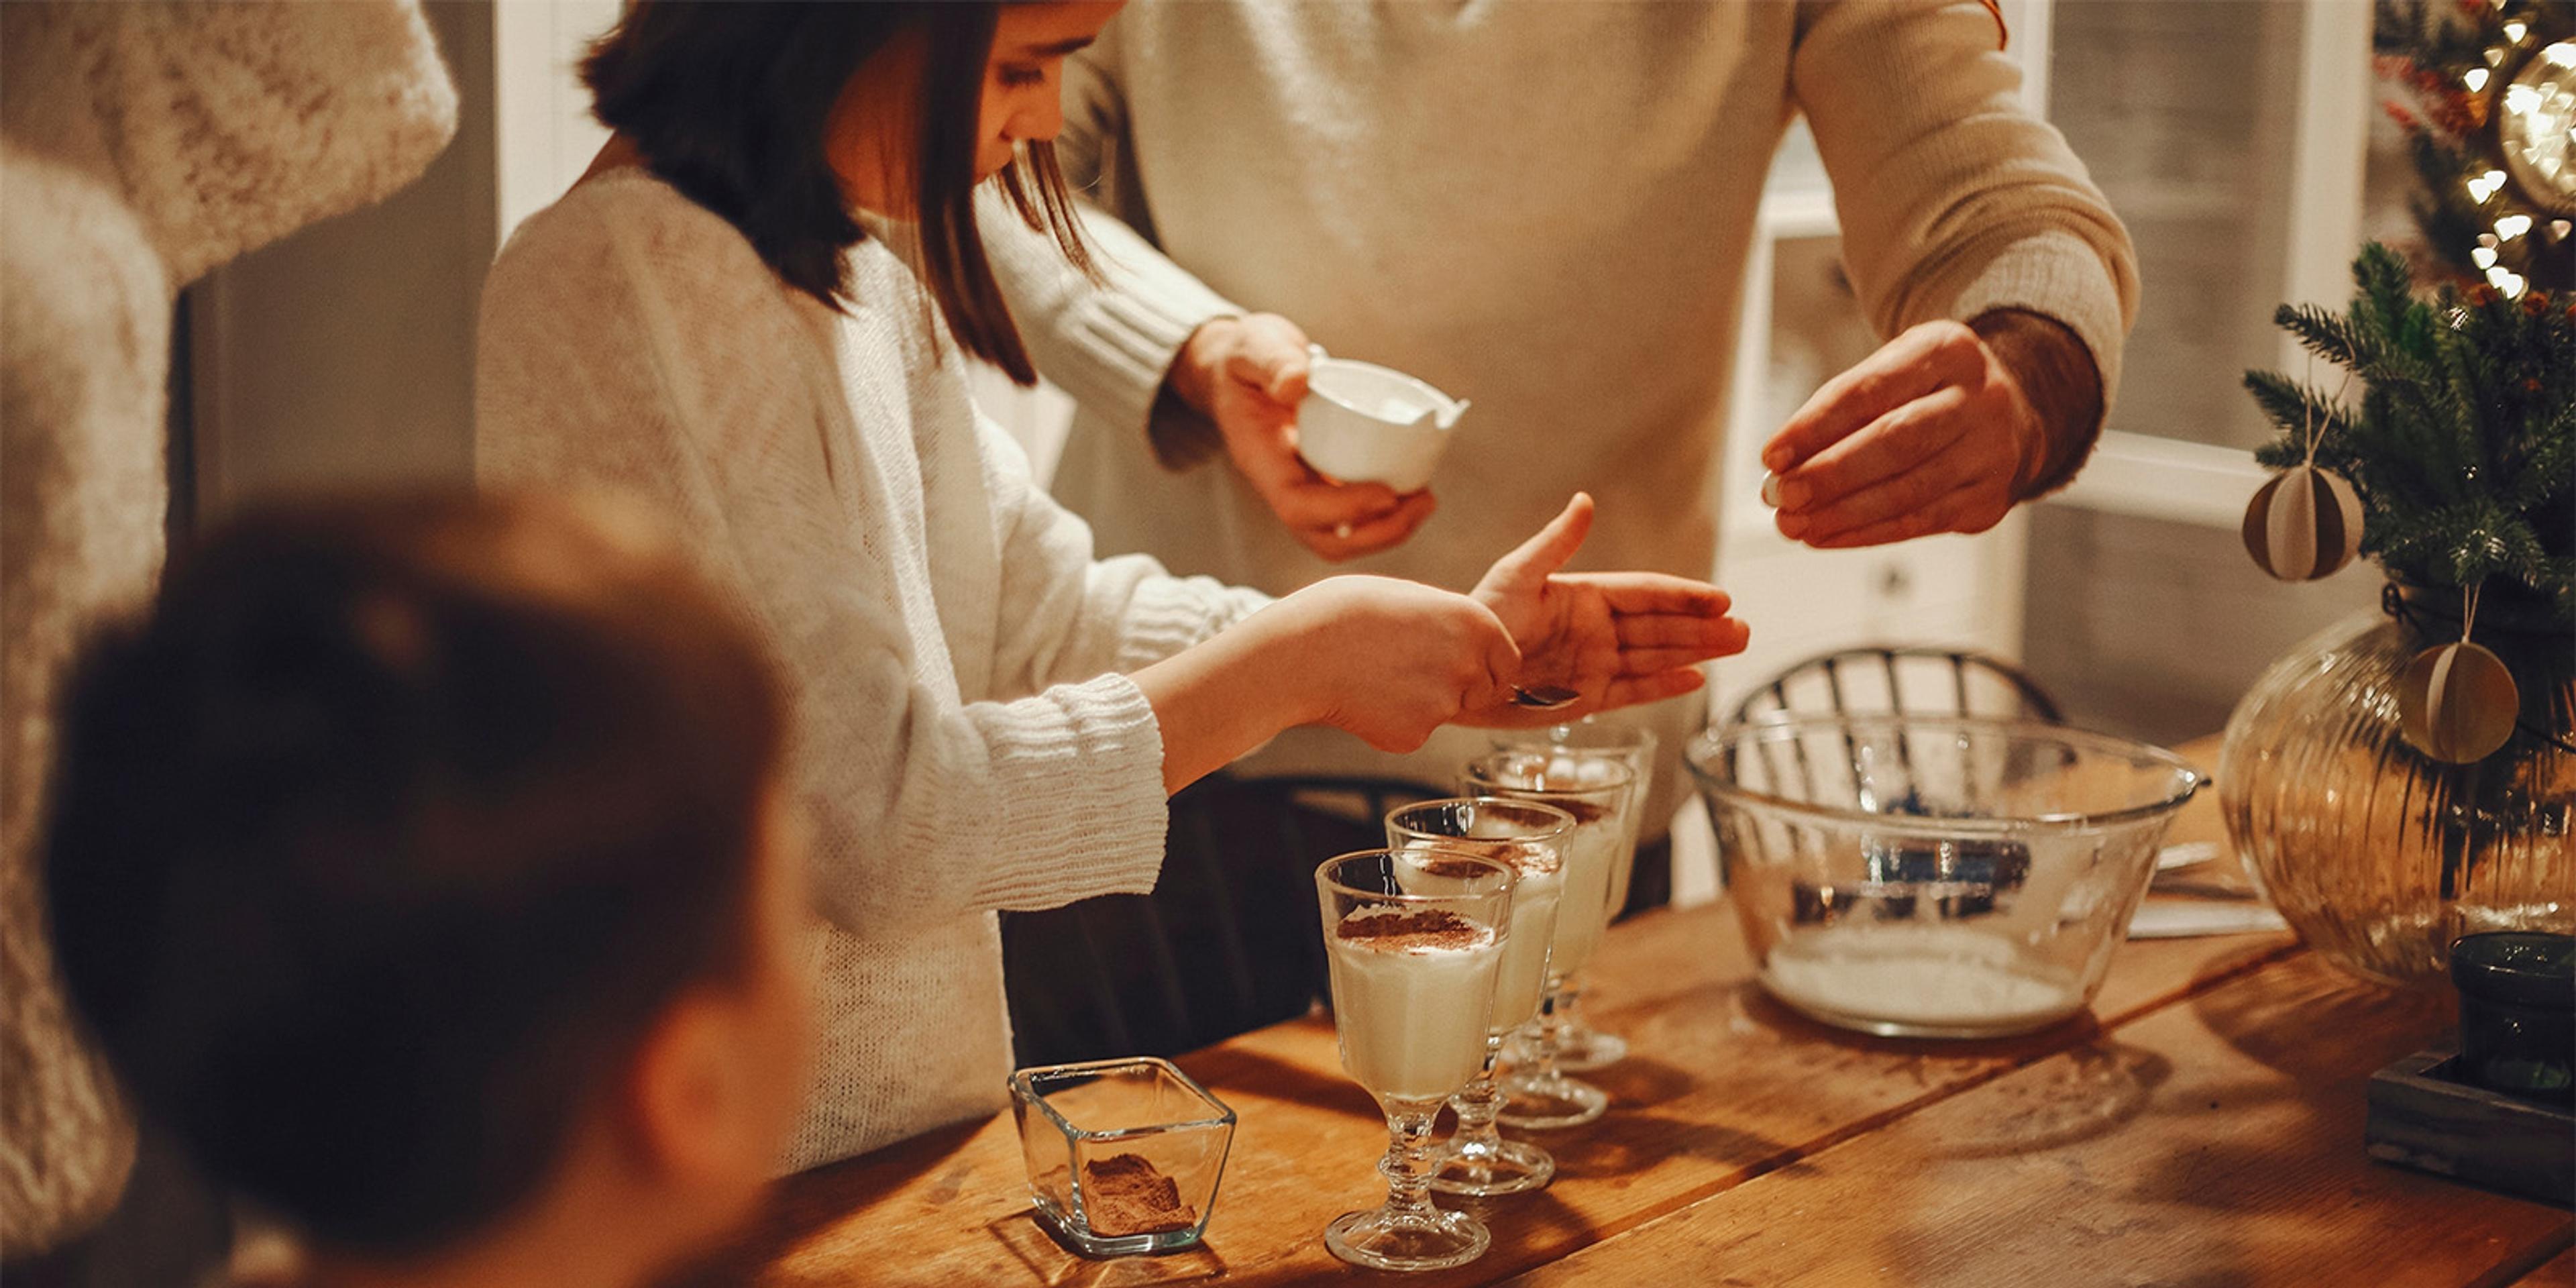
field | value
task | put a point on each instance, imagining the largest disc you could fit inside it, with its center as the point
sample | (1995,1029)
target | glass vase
(2378,855)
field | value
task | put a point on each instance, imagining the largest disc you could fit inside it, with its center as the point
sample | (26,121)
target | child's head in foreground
(425,867)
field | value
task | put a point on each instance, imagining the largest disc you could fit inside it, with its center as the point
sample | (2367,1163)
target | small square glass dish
(1123,1155)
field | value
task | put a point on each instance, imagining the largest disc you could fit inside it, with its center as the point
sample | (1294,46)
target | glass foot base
(1558,1102)
(1583,1050)
(1381,1240)
(1503,1167)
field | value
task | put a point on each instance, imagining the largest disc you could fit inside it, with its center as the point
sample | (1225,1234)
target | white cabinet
(2231,139)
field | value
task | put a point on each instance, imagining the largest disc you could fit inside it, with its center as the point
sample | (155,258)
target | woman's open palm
(1616,638)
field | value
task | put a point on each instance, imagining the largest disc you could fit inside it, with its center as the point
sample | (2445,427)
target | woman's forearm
(1223,697)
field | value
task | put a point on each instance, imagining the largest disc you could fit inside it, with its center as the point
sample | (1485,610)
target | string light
(2498,111)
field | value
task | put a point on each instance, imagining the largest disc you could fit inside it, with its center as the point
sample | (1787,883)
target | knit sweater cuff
(1131,329)
(2057,275)
(1079,770)
(1168,614)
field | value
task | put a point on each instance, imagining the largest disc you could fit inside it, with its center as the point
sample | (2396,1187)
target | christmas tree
(2462,446)
(2489,110)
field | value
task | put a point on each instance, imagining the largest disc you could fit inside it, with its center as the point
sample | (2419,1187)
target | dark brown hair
(379,842)
(731,102)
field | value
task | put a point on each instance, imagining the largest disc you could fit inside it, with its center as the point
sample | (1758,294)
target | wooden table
(2202,1127)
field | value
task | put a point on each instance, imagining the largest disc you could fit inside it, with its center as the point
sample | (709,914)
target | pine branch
(2462,444)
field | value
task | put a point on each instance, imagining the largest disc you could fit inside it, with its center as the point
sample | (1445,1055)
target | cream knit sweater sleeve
(1066,617)
(631,340)
(1953,200)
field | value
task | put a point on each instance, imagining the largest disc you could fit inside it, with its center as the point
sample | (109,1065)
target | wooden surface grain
(2213,1142)
(2559,1272)
(1734,1120)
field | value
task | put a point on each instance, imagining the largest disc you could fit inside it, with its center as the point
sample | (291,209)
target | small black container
(2518,1013)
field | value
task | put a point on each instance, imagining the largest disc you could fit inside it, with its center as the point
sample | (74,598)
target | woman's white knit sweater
(967,743)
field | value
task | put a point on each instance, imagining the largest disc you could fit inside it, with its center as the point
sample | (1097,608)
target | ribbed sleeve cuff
(1130,330)
(1078,779)
(1167,614)
(2057,275)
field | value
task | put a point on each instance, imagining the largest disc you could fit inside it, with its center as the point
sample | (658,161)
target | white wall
(345,353)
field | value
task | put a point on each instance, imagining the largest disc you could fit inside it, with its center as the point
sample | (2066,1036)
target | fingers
(1654,592)
(1629,690)
(1271,358)
(1879,502)
(1539,557)
(1946,460)
(1967,489)
(1674,630)
(1895,443)
(1651,644)
(1623,691)
(1303,500)
(1335,520)
(1369,534)
(1915,363)
(1970,509)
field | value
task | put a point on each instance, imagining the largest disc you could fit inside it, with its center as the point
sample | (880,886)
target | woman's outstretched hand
(1617,638)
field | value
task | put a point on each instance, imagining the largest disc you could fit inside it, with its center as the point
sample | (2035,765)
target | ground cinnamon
(1126,1194)
(1461,868)
(1411,931)
(1583,811)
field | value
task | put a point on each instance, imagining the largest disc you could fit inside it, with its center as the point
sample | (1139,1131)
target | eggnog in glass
(1580,1047)
(1476,1160)
(1598,797)
(1415,943)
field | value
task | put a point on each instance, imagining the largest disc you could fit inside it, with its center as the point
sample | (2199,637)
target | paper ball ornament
(2457,703)
(2304,524)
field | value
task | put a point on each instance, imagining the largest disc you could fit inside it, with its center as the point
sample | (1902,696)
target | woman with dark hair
(756,310)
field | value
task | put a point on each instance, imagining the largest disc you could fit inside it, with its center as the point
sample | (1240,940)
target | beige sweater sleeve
(1953,199)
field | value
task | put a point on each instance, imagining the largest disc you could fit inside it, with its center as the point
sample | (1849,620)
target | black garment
(1231,940)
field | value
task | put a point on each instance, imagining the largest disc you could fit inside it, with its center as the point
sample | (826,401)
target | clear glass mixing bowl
(1935,876)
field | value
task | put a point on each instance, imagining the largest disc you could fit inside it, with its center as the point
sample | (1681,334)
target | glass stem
(1551,1034)
(1476,1105)
(1407,1164)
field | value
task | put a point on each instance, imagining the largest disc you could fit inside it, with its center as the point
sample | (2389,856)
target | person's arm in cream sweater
(1225,668)
(1975,239)
(1152,349)
(1063,615)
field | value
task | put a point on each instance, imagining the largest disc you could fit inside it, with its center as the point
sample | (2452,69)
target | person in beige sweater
(733,316)
(1546,208)
(140,146)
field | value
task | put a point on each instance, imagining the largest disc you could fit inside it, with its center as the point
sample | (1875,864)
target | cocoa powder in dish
(1126,1194)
